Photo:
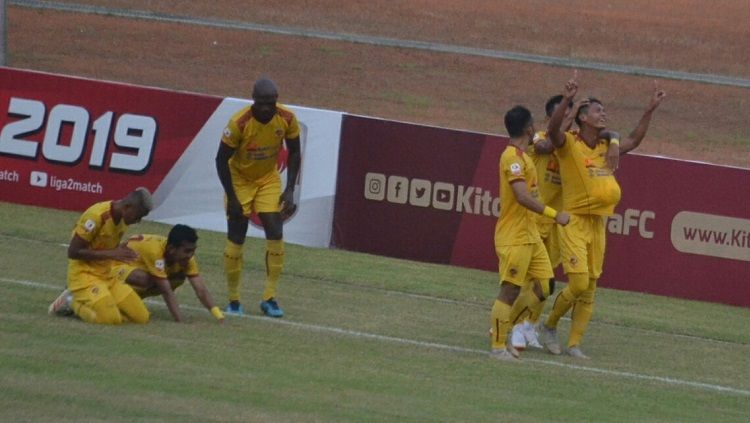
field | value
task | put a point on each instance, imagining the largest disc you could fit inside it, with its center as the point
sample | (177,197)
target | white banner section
(192,194)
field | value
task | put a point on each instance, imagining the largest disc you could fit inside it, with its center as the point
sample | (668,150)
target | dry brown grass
(697,121)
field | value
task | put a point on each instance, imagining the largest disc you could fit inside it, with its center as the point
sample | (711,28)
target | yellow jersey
(151,249)
(97,227)
(257,145)
(516,224)
(590,187)
(548,176)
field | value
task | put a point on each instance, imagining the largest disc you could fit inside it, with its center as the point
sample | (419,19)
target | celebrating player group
(556,189)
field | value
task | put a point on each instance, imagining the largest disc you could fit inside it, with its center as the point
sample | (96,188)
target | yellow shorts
(120,272)
(549,231)
(582,243)
(259,196)
(95,292)
(101,290)
(120,275)
(522,263)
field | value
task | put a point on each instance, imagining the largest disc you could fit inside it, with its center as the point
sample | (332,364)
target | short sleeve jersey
(548,174)
(257,145)
(590,186)
(97,227)
(151,249)
(516,224)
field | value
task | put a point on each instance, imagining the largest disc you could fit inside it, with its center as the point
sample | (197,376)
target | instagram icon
(375,186)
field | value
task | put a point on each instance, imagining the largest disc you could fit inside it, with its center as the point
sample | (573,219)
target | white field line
(452,301)
(437,346)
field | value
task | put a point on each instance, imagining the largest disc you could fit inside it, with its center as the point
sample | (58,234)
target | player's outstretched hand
(562,218)
(657,97)
(571,87)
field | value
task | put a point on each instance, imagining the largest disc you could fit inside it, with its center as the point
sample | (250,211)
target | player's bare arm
(570,116)
(555,132)
(79,249)
(169,298)
(234,208)
(525,199)
(293,165)
(205,297)
(613,150)
(544,146)
(634,139)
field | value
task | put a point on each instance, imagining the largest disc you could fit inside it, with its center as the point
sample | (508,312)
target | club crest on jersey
(159,264)
(227,132)
(515,169)
(89,225)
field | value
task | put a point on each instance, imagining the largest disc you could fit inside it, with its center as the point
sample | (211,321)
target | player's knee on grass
(129,303)
(103,312)
(133,308)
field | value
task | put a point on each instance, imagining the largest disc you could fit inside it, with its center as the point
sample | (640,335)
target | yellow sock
(581,315)
(562,304)
(274,265)
(522,308)
(500,323)
(535,309)
(233,269)
(536,312)
(577,283)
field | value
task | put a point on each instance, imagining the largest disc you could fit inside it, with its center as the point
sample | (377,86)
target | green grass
(365,339)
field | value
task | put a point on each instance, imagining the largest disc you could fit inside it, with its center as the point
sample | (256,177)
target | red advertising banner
(682,229)
(410,191)
(68,142)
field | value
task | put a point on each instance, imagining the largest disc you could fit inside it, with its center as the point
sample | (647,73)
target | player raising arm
(590,194)
(636,136)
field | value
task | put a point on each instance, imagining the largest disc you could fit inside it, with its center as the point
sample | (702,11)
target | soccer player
(246,164)
(523,258)
(590,194)
(94,248)
(541,152)
(162,266)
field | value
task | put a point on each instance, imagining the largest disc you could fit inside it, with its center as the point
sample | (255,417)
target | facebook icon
(398,189)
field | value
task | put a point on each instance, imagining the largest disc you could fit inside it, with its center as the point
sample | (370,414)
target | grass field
(365,339)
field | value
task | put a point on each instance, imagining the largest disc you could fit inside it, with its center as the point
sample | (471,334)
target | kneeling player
(162,266)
